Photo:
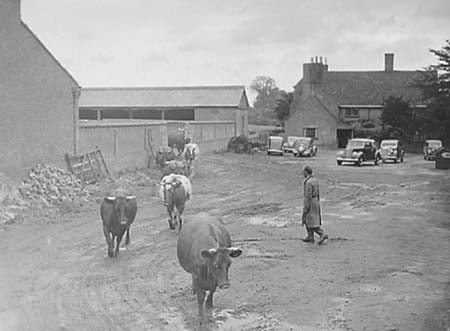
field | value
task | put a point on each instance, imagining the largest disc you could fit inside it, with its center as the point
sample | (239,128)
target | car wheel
(401,159)
(377,160)
(395,160)
(359,162)
(339,162)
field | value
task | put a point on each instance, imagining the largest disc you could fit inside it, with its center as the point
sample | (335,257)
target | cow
(165,155)
(117,211)
(204,250)
(190,153)
(175,190)
(174,167)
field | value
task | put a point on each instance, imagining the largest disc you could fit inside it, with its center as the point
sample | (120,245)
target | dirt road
(385,267)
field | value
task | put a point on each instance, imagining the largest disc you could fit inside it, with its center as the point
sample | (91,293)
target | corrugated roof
(195,96)
(370,87)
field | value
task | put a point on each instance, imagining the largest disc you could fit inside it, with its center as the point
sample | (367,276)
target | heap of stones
(49,185)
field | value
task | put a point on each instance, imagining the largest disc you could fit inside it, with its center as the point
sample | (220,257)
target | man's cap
(308,169)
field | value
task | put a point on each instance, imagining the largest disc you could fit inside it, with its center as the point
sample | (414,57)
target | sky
(211,42)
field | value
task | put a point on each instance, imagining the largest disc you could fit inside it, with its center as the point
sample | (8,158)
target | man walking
(312,217)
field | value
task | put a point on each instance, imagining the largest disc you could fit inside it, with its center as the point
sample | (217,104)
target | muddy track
(378,272)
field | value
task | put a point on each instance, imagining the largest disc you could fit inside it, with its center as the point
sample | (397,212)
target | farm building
(38,98)
(198,103)
(327,104)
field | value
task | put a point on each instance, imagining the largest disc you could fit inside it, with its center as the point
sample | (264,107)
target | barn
(193,103)
(38,98)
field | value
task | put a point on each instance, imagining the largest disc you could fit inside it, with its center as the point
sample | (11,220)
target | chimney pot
(389,62)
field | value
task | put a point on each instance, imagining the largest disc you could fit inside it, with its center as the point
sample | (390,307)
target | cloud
(178,42)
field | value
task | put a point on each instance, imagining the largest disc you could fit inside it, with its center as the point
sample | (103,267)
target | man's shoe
(308,240)
(322,239)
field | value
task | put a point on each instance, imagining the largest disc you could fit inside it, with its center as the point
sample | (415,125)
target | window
(351,113)
(310,132)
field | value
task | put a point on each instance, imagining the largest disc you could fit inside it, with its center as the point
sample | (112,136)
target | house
(198,103)
(38,99)
(328,104)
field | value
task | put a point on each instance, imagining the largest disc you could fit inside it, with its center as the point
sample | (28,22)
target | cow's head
(219,263)
(169,190)
(120,205)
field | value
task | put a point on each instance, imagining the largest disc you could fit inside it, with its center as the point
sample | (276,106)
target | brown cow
(118,211)
(204,250)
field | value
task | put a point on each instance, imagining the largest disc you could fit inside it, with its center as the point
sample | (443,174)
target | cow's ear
(234,252)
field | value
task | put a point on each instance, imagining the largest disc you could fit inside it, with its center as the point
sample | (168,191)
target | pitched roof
(370,87)
(27,28)
(195,96)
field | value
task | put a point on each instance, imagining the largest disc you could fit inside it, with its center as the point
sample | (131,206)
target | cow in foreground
(118,210)
(204,250)
(175,191)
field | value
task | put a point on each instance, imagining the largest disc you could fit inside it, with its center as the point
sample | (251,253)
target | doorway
(343,136)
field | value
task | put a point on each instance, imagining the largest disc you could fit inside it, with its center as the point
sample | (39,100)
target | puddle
(274,222)
(229,320)
(252,252)
(370,288)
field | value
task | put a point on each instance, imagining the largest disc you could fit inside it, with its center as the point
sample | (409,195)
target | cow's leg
(209,299)
(127,239)
(194,291)
(170,220)
(119,239)
(109,240)
(200,300)
(180,210)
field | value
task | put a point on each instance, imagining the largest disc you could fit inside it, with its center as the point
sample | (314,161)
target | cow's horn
(110,198)
(131,197)
(212,251)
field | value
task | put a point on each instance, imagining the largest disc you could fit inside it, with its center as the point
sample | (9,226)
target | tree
(435,86)
(398,118)
(283,105)
(267,90)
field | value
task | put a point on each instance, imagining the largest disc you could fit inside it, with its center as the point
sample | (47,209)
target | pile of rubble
(45,189)
(49,185)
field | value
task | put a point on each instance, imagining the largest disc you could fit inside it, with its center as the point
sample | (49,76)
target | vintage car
(430,148)
(275,145)
(442,158)
(288,146)
(359,150)
(304,146)
(392,149)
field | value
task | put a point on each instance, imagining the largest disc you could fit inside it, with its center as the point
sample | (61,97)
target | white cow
(175,191)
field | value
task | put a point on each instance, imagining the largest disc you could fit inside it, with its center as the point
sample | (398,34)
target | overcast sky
(212,42)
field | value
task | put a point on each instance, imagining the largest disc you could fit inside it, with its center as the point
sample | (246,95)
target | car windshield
(302,141)
(355,144)
(291,140)
(434,144)
(389,144)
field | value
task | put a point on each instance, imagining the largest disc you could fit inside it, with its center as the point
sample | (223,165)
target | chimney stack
(389,62)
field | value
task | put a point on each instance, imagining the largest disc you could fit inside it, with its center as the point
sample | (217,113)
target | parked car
(442,158)
(288,146)
(392,149)
(359,150)
(275,145)
(304,146)
(430,148)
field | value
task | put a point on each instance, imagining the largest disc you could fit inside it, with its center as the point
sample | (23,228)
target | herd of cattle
(203,244)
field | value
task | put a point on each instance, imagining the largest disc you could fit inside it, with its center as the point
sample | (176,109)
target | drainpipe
(76,92)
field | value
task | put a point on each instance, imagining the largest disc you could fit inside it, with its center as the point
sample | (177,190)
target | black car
(359,151)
